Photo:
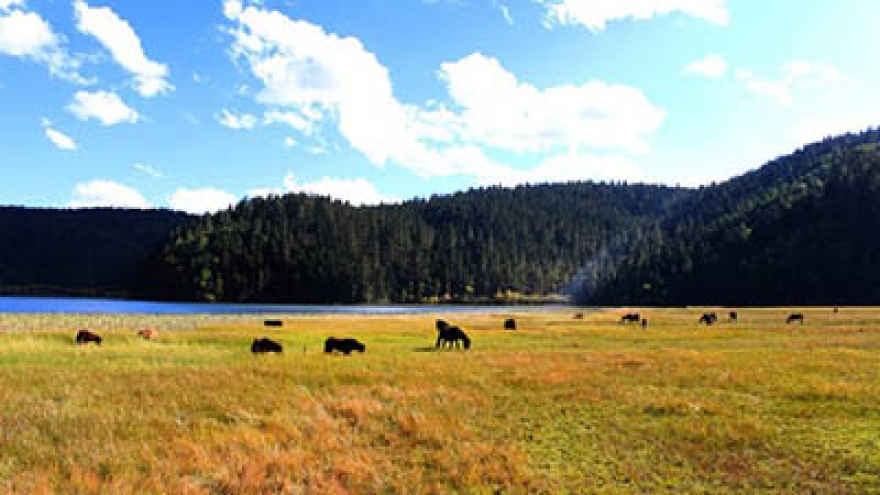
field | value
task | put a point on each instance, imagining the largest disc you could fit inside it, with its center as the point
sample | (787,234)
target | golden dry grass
(558,406)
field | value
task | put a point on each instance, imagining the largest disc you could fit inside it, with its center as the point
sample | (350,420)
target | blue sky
(194,105)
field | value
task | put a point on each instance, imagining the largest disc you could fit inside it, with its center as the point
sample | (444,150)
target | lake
(67,305)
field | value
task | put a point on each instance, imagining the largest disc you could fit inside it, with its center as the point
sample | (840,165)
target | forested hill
(480,245)
(804,229)
(98,252)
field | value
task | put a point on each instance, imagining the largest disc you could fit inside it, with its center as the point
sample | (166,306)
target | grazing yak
(644,323)
(734,316)
(630,318)
(273,323)
(148,333)
(795,317)
(709,318)
(578,316)
(345,346)
(265,345)
(84,337)
(510,324)
(453,337)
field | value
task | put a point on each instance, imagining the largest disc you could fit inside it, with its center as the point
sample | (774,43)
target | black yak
(453,337)
(795,317)
(85,337)
(264,345)
(630,318)
(345,346)
(709,318)
(510,324)
(273,323)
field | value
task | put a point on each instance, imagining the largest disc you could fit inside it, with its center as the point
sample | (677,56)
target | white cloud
(711,66)
(106,193)
(117,36)
(8,4)
(310,71)
(505,11)
(244,121)
(596,14)
(26,35)
(502,112)
(105,106)
(810,130)
(795,75)
(294,120)
(290,142)
(355,191)
(199,201)
(570,167)
(321,76)
(59,139)
(149,170)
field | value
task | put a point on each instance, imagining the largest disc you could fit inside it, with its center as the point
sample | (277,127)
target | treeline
(804,229)
(91,252)
(481,245)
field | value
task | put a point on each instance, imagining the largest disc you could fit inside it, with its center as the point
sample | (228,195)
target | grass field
(558,406)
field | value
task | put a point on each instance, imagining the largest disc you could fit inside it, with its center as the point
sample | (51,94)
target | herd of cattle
(707,319)
(448,336)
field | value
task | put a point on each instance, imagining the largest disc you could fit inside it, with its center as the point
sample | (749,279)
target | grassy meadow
(558,406)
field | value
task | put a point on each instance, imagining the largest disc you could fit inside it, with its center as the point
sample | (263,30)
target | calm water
(117,306)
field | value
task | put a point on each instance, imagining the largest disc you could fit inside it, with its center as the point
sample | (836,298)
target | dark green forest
(480,245)
(803,229)
(95,252)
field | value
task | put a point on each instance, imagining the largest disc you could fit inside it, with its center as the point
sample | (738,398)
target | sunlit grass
(558,406)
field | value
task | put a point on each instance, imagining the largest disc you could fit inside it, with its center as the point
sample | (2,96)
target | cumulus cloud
(242,121)
(711,66)
(8,4)
(200,201)
(104,106)
(355,191)
(59,139)
(26,35)
(321,77)
(596,14)
(106,193)
(795,75)
(500,111)
(117,36)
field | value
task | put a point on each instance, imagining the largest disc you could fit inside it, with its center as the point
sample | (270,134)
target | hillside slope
(479,245)
(97,252)
(804,229)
